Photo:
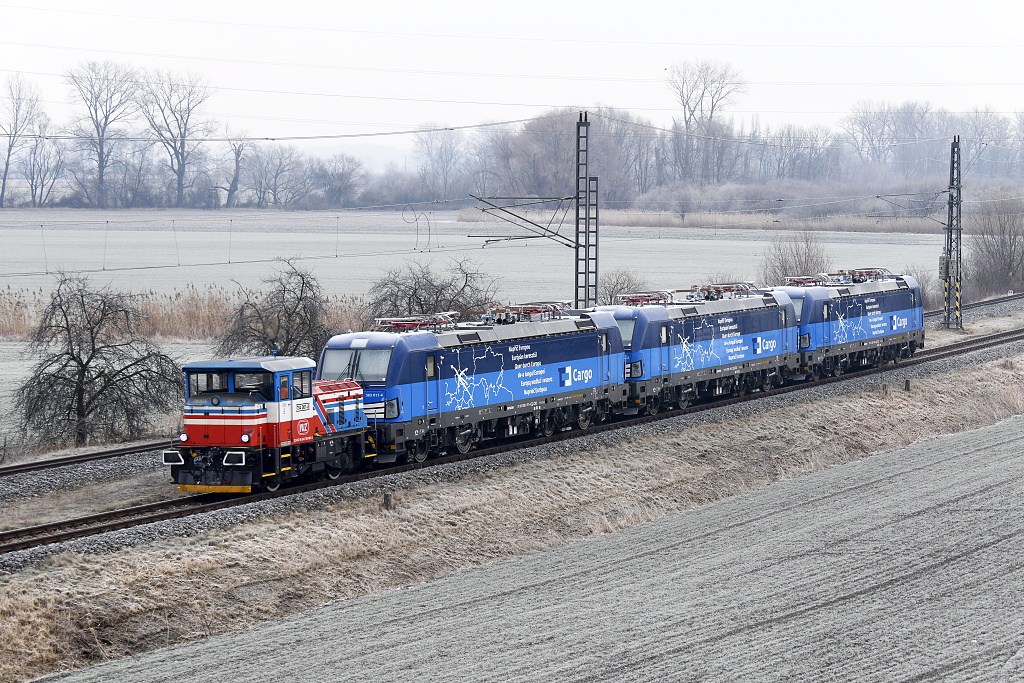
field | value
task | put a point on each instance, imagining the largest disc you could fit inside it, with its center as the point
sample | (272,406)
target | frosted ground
(348,250)
(900,566)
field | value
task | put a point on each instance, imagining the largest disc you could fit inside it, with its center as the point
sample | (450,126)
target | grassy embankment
(77,609)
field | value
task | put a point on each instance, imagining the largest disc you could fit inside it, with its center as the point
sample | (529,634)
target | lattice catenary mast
(586,220)
(950,264)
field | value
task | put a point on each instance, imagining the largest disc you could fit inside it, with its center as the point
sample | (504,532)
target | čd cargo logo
(566,376)
(762,345)
(302,427)
(899,323)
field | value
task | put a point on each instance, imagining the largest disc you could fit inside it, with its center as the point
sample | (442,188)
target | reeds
(189,314)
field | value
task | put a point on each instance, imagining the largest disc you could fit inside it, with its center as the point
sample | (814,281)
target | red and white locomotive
(254,423)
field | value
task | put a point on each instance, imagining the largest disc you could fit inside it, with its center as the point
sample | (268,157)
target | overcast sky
(365,66)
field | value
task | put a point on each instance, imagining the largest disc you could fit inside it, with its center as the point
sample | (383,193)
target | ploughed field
(901,566)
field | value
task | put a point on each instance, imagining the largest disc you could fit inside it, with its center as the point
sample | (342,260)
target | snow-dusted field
(900,566)
(349,250)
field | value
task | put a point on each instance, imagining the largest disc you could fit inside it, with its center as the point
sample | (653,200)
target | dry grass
(189,314)
(639,218)
(79,609)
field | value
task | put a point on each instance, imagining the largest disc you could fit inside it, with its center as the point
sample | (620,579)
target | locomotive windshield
(362,365)
(261,383)
(207,382)
(626,329)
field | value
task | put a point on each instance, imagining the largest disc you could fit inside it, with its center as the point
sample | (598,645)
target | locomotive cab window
(604,343)
(302,386)
(207,382)
(824,311)
(283,396)
(626,329)
(664,335)
(798,306)
(259,384)
(431,367)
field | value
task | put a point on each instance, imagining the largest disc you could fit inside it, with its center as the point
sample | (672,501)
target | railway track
(55,532)
(86,457)
(977,304)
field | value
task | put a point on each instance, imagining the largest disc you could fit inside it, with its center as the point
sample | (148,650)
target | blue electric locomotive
(429,391)
(852,325)
(677,353)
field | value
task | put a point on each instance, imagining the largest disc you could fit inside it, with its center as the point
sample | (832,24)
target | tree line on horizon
(143,139)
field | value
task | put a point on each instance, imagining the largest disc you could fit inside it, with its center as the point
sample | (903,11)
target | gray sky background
(344,68)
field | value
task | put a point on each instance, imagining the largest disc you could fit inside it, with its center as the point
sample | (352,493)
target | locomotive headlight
(636,369)
(183,437)
(245,438)
(391,409)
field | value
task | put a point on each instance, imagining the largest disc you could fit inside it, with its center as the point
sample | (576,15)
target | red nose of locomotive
(228,420)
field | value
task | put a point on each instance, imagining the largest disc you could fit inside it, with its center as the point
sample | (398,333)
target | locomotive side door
(303,412)
(284,397)
(432,381)
(664,349)
(603,364)
(826,322)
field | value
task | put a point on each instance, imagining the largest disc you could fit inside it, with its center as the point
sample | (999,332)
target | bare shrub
(996,247)
(801,254)
(928,280)
(288,315)
(16,312)
(416,288)
(98,375)
(620,281)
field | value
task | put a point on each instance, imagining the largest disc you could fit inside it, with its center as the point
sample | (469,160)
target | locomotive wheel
(272,484)
(547,426)
(684,399)
(815,373)
(331,473)
(766,383)
(417,450)
(653,404)
(583,420)
(463,443)
(741,386)
(837,369)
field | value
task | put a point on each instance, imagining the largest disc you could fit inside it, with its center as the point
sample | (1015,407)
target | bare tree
(98,375)
(620,281)
(337,178)
(416,288)
(441,153)
(107,92)
(288,314)
(799,254)
(277,175)
(43,163)
(20,113)
(703,88)
(996,245)
(237,147)
(171,105)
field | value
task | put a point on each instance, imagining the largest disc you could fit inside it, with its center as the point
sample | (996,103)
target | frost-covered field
(903,566)
(164,250)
